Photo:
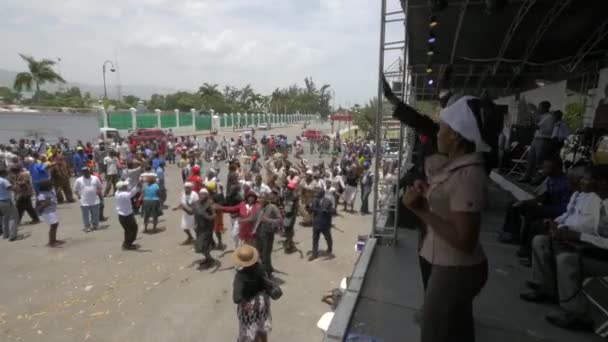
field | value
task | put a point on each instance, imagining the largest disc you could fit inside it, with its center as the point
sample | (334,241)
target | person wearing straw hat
(186,204)
(249,294)
(451,206)
(203,219)
(124,209)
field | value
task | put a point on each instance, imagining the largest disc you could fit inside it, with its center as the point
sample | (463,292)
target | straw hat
(245,256)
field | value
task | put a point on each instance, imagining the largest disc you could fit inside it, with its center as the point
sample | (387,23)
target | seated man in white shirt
(558,259)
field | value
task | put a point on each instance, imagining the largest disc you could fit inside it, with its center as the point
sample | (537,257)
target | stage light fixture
(430,81)
(433,21)
(431,51)
(429,69)
(432,39)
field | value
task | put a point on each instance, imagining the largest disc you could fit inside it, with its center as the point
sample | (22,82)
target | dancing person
(22,188)
(267,223)
(234,197)
(218,222)
(322,213)
(126,217)
(290,203)
(247,211)
(367,182)
(249,294)
(451,208)
(188,199)
(308,188)
(351,182)
(151,201)
(88,190)
(46,203)
(203,218)
(8,212)
(111,165)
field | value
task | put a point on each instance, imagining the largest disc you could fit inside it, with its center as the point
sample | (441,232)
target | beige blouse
(455,186)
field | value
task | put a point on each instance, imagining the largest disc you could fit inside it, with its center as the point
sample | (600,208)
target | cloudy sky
(183,43)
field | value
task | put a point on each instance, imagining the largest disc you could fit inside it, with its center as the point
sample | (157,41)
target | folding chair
(519,164)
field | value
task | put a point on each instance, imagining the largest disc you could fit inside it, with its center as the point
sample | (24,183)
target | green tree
(157,101)
(8,96)
(130,100)
(40,72)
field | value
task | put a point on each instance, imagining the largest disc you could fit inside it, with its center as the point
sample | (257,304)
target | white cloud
(183,43)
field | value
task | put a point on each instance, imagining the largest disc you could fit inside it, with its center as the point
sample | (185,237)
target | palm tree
(40,72)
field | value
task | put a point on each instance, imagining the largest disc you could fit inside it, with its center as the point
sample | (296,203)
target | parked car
(312,134)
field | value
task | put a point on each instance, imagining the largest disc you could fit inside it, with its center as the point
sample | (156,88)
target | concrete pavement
(91,290)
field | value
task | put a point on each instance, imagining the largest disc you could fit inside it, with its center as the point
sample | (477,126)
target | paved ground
(91,290)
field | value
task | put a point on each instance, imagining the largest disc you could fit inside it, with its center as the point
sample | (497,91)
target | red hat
(196,169)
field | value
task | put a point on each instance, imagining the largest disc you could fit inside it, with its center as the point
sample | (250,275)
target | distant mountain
(7,79)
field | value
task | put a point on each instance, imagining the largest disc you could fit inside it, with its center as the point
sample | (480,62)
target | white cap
(309,172)
(188,185)
(203,191)
(461,119)
(122,184)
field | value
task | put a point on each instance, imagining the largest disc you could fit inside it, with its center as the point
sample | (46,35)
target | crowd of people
(262,196)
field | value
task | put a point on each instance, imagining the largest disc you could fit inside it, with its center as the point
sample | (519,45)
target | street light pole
(103,71)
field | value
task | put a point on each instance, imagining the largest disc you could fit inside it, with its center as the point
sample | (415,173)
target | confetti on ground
(88,287)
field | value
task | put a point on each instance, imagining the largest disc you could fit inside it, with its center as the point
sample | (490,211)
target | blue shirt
(558,194)
(151,192)
(79,161)
(156,162)
(5,193)
(39,172)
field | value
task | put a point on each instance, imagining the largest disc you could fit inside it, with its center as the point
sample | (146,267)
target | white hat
(203,191)
(188,185)
(309,172)
(461,119)
(121,184)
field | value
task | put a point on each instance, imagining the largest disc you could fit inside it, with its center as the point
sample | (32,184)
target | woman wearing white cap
(189,197)
(451,205)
